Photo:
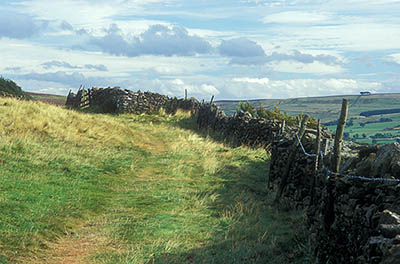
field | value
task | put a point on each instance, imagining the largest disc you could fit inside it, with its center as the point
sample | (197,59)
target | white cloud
(177,87)
(252,80)
(43,86)
(156,40)
(169,70)
(276,89)
(240,47)
(315,67)
(177,82)
(346,37)
(209,89)
(297,17)
(393,58)
(20,26)
(246,52)
(76,12)
(93,15)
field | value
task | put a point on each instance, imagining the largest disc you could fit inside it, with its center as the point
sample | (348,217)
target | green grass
(139,188)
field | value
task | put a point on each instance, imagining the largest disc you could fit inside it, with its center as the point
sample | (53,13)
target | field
(382,127)
(93,188)
(48,98)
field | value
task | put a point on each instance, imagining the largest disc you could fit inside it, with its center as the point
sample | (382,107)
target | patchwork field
(93,188)
(378,128)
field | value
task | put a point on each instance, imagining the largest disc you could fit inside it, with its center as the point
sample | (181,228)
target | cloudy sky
(233,49)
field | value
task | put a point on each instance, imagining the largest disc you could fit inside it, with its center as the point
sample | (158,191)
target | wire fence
(329,172)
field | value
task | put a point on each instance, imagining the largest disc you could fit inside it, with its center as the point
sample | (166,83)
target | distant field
(327,109)
(48,98)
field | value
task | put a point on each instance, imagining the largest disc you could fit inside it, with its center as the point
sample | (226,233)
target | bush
(275,114)
(11,89)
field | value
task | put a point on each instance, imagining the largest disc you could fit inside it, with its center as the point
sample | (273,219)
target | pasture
(94,188)
(327,109)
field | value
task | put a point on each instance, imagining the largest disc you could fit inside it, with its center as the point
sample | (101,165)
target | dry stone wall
(351,219)
(360,222)
(241,127)
(116,100)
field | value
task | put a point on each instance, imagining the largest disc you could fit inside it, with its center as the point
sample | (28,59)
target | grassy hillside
(83,188)
(360,128)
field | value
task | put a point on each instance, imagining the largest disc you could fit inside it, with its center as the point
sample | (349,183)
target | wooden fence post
(292,155)
(185,94)
(283,124)
(329,216)
(337,147)
(317,150)
(212,99)
(90,91)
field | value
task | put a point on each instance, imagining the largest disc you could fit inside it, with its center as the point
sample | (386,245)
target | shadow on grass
(250,228)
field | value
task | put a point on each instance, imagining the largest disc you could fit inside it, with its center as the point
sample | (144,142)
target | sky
(237,49)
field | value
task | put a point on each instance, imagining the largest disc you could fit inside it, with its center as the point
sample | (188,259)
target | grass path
(147,190)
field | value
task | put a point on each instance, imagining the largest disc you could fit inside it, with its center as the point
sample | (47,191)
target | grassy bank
(82,188)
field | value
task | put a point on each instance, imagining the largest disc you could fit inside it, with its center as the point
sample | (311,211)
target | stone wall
(242,128)
(351,220)
(116,100)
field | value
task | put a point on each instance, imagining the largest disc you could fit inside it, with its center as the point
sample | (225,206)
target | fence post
(185,94)
(329,216)
(283,124)
(90,91)
(317,149)
(337,147)
(292,155)
(212,99)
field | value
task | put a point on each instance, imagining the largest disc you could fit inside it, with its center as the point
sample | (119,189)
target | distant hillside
(9,88)
(325,108)
(368,117)
(48,98)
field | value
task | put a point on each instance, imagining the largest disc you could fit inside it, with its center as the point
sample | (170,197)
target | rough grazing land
(94,188)
(350,220)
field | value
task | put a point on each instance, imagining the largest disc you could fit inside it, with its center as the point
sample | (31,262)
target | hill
(11,89)
(48,98)
(95,188)
(380,127)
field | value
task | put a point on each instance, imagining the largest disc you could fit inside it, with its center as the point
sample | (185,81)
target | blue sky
(238,49)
